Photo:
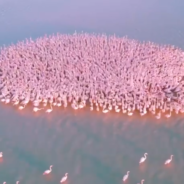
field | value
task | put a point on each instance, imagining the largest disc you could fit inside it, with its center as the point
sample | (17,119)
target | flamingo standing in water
(142,181)
(143,158)
(21,107)
(16,102)
(7,101)
(48,171)
(49,110)
(64,178)
(169,160)
(35,109)
(126,176)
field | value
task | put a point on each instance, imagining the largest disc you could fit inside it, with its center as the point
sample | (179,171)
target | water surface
(91,147)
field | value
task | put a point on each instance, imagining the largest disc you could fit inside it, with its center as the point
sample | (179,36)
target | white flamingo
(126,176)
(1,154)
(7,101)
(142,181)
(35,109)
(48,171)
(105,110)
(49,110)
(169,160)
(16,102)
(21,107)
(168,115)
(130,113)
(143,158)
(64,178)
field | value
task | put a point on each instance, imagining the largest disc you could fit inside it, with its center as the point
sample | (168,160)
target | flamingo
(64,178)
(158,116)
(21,107)
(117,109)
(49,110)
(17,182)
(36,102)
(110,107)
(4,182)
(169,160)
(16,102)
(130,113)
(1,154)
(143,158)
(55,103)
(91,107)
(82,104)
(142,181)
(3,100)
(168,115)
(7,101)
(48,171)
(35,109)
(126,176)
(105,110)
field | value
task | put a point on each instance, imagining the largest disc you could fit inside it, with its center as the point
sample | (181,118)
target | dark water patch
(34,161)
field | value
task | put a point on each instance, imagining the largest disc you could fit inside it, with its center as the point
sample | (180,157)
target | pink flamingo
(21,107)
(64,178)
(48,171)
(35,109)
(142,181)
(49,110)
(143,158)
(16,102)
(169,160)
(126,176)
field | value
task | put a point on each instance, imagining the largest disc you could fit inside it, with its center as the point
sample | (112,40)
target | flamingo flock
(107,73)
(125,178)
(143,159)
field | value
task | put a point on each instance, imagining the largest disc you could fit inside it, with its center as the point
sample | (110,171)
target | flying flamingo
(142,181)
(143,158)
(49,110)
(64,178)
(126,176)
(1,154)
(169,160)
(48,171)
(35,109)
